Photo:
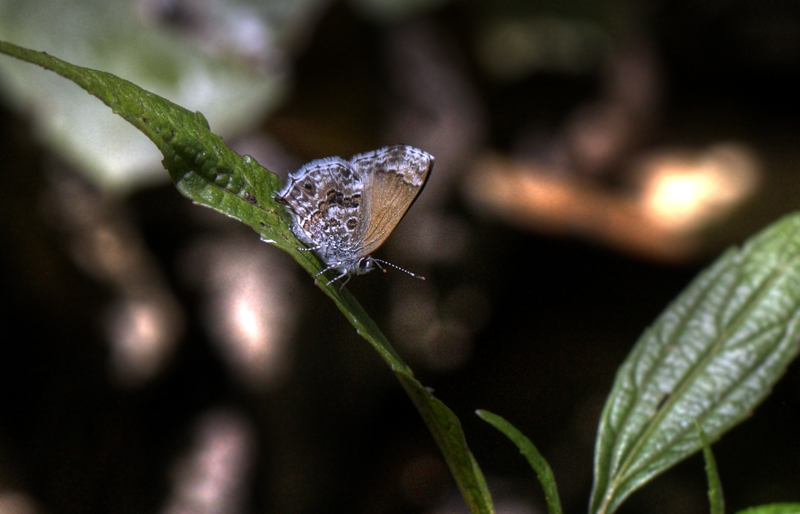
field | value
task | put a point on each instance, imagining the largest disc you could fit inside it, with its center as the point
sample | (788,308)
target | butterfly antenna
(378,261)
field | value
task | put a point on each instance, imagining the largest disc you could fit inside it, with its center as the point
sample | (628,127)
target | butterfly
(346,209)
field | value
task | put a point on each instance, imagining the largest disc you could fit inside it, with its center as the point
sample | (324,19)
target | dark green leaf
(201,165)
(711,357)
(715,496)
(446,430)
(535,459)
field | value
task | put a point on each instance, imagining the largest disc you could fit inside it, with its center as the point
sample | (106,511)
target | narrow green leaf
(711,357)
(201,165)
(205,170)
(535,459)
(775,508)
(715,496)
(449,436)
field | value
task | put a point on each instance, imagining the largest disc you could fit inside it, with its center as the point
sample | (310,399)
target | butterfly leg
(345,274)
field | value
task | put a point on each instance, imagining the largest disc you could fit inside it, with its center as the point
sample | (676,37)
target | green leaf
(200,164)
(775,508)
(535,459)
(446,430)
(711,357)
(205,170)
(715,496)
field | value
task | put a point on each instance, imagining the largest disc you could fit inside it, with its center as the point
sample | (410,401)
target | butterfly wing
(324,197)
(393,177)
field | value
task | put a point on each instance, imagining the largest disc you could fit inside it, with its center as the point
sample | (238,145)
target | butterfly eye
(365,265)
